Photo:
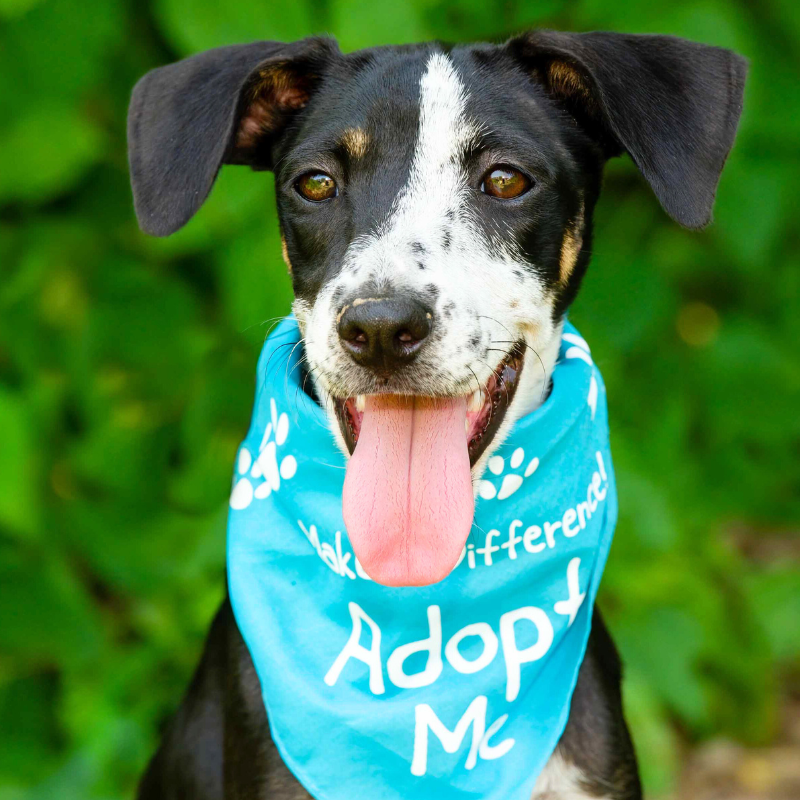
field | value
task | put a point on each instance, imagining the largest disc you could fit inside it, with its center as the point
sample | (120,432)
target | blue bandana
(455,690)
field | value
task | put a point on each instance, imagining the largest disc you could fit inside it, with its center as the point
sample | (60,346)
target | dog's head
(436,211)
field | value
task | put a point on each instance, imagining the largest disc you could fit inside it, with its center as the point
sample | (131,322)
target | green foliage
(126,382)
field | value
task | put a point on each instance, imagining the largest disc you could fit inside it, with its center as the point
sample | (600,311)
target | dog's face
(436,211)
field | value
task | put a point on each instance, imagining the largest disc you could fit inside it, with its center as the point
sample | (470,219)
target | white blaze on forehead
(436,179)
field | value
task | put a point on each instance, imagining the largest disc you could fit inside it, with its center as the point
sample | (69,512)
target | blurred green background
(127,368)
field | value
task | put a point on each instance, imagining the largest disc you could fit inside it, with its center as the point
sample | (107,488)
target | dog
(435,205)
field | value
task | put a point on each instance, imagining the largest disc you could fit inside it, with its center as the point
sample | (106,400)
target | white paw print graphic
(265,465)
(511,481)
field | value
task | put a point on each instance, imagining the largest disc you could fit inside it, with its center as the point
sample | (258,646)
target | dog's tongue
(407,499)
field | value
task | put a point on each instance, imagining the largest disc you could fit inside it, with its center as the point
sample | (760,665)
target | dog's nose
(384,333)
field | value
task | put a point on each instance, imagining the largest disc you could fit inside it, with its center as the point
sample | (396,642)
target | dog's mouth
(407,500)
(486,407)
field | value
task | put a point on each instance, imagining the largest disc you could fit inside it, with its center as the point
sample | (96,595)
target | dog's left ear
(223,106)
(671,104)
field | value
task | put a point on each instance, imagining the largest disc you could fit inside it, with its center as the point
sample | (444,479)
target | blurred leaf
(776,603)
(255,287)
(27,749)
(45,616)
(194,25)
(38,164)
(16,8)
(19,492)
(359,24)
(655,741)
(53,55)
(756,190)
(665,644)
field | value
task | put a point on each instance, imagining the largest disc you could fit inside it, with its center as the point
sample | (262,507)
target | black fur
(566,103)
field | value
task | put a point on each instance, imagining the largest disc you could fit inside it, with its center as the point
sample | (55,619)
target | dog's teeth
(475,402)
(361,403)
(466,426)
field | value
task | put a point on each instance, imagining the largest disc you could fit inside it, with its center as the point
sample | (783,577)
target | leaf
(665,645)
(45,616)
(255,287)
(38,164)
(20,500)
(776,602)
(28,747)
(656,743)
(195,25)
(358,25)
(54,54)
(16,8)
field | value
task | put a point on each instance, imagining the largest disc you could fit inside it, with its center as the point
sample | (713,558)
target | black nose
(384,333)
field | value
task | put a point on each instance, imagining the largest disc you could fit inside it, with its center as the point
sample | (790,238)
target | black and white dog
(436,210)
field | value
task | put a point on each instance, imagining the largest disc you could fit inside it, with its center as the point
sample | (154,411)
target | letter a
(354,649)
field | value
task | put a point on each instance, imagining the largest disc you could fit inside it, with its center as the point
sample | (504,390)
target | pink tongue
(407,498)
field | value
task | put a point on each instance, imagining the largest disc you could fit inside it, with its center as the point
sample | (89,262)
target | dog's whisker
(295,365)
(483,316)
(471,535)
(265,379)
(544,369)
(274,320)
(479,386)
(277,351)
(332,466)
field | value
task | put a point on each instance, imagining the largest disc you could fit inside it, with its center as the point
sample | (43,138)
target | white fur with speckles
(475,275)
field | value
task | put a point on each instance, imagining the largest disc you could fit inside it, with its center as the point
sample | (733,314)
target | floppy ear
(224,106)
(671,104)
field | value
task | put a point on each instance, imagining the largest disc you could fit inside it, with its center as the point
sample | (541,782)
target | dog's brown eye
(316,186)
(504,183)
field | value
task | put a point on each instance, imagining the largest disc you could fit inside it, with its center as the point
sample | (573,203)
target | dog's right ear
(671,104)
(224,106)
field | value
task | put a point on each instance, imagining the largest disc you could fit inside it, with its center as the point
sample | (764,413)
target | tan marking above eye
(316,186)
(504,183)
(355,141)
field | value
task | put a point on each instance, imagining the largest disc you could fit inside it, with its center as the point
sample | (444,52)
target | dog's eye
(316,186)
(504,183)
